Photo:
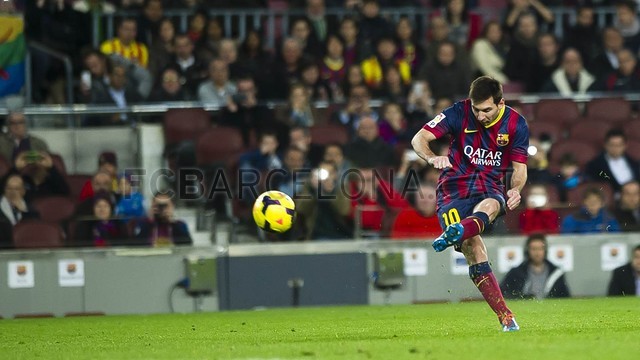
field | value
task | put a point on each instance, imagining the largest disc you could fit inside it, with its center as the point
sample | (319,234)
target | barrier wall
(126,281)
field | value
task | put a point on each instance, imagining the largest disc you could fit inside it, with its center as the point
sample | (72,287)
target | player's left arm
(518,180)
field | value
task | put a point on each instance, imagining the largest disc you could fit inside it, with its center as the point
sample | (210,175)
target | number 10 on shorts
(451,217)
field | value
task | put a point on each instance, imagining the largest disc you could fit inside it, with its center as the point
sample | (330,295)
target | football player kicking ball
(488,138)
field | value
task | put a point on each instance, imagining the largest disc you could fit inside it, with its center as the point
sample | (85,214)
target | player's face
(486,111)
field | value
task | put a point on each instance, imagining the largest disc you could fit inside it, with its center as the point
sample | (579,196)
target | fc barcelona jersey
(481,156)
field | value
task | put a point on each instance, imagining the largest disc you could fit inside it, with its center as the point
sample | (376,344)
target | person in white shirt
(218,90)
(613,165)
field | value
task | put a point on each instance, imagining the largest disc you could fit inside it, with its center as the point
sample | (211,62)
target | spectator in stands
(100,230)
(162,50)
(625,279)
(300,138)
(321,24)
(409,47)
(374,200)
(229,53)
(300,29)
(353,49)
(333,153)
(99,67)
(333,68)
(373,68)
(420,220)
(627,209)
(393,126)
(418,104)
(169,88)
(17,139)
(208,47)
(372,26)
(569,176)
(614,165)
(354,78)
(245,113)
(298,111)
(286,69)
(536,277)
(593,217)
(323,206)
(522,51)
(626,21)
(218,90)
(447,75)
(368,149)
(488,52)
(538,163)
(517,9)
(571,78)
(161,228)
(296,173)
(547,61)
(107,164)
(606,61)
(317,88)
(538,217)
(41,178)
(125,44)
(441,32)
(264,158)
(584,35)
(119,93)
(149,21)
(101,185)
(465,26)
(254,56)
(407,176)
(13,206)
(197,23)
(356,108)
(131,202)
(393,87)
(192,70)
(626,78)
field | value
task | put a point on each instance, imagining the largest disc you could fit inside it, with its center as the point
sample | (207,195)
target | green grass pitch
(550,329)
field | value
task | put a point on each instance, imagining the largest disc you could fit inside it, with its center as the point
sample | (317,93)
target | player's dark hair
(616,132)
(532,238)
(485,87)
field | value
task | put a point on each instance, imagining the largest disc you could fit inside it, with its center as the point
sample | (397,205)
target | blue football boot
(509,323)
(451,236)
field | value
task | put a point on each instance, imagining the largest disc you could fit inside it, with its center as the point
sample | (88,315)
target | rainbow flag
(12,54)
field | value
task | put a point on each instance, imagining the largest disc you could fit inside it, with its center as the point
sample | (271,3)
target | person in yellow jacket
(125,45)
(373,67)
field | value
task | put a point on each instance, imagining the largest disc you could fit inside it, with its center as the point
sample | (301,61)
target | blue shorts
(454,211)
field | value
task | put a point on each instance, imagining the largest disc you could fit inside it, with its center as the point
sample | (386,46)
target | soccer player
(488,140)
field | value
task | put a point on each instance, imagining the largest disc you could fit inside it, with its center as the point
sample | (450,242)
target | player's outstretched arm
(518,179)
(420,143)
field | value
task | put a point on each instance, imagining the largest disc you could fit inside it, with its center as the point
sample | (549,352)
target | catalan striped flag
(12,54)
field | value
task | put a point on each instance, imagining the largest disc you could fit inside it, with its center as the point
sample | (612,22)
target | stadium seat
(609,109)
(633,148)
(592,131)
(560,111)
(55,209)
(632,129)
(574,196)
(58,162)
(513,87)
(219,145)
(76,182)
(5,166)
(582,151)
(325,134)
(37,234)
(184,124)
(33,316)
(555,131)
(321,115)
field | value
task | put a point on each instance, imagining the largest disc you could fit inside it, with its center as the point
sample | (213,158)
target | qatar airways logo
(483,157)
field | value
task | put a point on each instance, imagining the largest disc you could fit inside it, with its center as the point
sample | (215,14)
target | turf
(552,329)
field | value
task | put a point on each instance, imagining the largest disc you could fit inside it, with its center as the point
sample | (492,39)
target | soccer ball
(274,211)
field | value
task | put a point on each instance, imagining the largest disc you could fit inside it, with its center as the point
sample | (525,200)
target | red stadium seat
(325,134)
(219,145)
(574,196)
(55,208)
(184,124)
(37,234)
(592,131)
(76,182)
(633,148)
(609,109)
(583,152)
(561,111)
(632,129)
(555,131)
(58,162)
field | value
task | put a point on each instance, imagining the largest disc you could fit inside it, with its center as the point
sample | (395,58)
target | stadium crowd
(581,180)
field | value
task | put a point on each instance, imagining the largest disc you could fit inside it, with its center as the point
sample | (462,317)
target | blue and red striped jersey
(480,156)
